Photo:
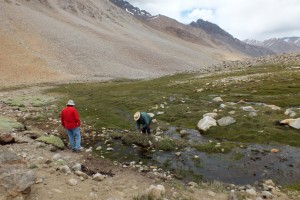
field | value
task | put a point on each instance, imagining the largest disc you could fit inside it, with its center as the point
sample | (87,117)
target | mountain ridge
(183,31)
(69,41)
(278,45)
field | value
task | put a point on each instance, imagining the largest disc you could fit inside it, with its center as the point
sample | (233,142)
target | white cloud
(241,18)
(205,14)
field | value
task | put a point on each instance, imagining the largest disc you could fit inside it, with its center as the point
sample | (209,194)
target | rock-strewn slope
(55,41)
(281,59)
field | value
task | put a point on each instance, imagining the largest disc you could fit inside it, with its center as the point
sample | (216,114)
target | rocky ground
(35,170)
(283,59)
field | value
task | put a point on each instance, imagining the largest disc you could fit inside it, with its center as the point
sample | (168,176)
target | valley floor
(52,182)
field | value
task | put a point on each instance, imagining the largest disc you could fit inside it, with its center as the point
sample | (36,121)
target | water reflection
(256,162)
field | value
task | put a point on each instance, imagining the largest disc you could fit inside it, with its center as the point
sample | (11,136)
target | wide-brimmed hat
(136,116)
(70,103)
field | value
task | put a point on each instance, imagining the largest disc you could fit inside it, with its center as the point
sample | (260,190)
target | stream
(256,162)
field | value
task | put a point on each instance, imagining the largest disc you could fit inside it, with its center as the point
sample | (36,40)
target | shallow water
(257,162)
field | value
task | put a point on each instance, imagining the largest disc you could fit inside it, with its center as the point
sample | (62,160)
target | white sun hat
(70,103)
(136,116)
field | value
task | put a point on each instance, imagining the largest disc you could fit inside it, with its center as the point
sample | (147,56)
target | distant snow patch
(129,11)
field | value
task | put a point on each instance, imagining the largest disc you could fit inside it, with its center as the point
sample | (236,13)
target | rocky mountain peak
(217,32)
(278,45)
(210,28)
(135,11)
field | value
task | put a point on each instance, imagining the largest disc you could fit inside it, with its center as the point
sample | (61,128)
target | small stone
(252,114)
(98,148)
(178,153)
(274,150)
(251,192)
(98,177)
(211,193)
(192,184)
(217,99)
(81,174)
(72,182)
(65,169)
(77,167)
(231,112)
(267,195)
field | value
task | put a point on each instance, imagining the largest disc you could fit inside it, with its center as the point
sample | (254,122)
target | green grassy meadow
(112,104)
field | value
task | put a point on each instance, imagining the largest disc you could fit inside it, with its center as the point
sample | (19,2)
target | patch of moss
(137,139)
(116,135)
(54,140)
(7,124)
(214,147)
(294,187)
(15,102)
(168,144)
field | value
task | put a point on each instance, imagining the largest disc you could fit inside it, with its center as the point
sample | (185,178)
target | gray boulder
(8,157)
(15,182)
(217,99)
(248,108)
(226,121)
(205,123)
(295,123)
(289,112)
(212,115)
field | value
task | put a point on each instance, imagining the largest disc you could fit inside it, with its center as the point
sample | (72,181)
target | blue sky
(244,19)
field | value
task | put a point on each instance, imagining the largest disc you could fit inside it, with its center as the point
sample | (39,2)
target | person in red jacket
(70,120)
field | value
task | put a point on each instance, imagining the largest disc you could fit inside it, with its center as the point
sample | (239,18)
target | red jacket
(69,117)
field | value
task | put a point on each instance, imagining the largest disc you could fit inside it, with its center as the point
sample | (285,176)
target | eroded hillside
(59,41)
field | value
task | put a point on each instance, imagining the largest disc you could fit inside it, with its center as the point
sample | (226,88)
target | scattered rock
(212,115)
(183,133)
(289,112)
(98,148)
(274,150)
(253,114)
(251,192)
(9,158)
(248,109)
(226,121)
(232,195)
(231,112)
(192,184)
(15,182)
(81,174)
(6,139)
(217,99)
(211,193)
(267,195)
(156,192)
(178,153)
(72,182)
(205,123)
(65,169)
(151,114)
(273,107)
(98,177)
(295,123)
(77,167)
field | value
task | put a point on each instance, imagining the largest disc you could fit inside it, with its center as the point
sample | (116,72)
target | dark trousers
(146,129)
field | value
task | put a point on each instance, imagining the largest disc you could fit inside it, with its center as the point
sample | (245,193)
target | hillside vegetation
(181,100)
